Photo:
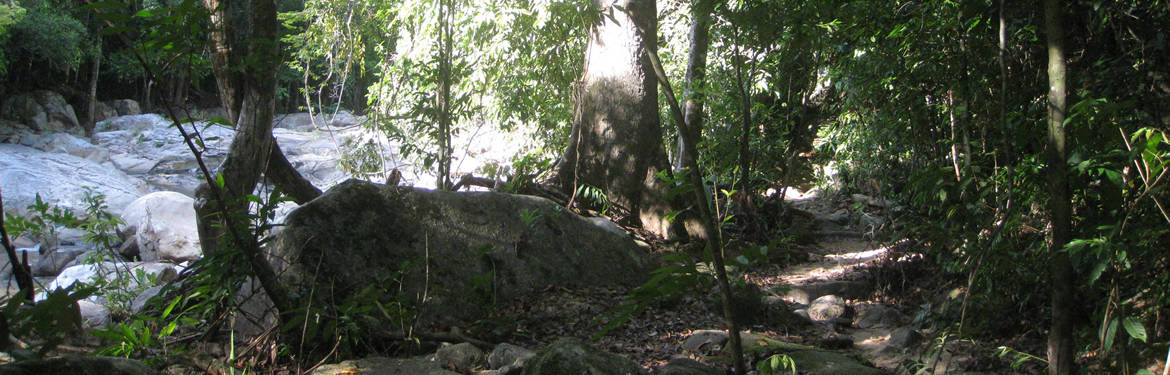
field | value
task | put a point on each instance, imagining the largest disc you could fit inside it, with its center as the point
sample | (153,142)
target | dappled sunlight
(837,259)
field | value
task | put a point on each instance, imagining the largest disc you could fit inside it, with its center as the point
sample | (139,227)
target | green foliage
(47,322)
(9,15)
(1017,358)
(593,197)
(42,223)
(46,35)
(358,323)
(775,363)
(116,286)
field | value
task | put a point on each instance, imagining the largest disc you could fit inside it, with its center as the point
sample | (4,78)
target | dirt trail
(837,266)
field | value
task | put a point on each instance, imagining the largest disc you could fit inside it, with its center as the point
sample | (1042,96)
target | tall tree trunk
(708,227)
(696,74)
(745,120)
(616,143)
(91,115)
(248,93)
(443,97)
(1060,345)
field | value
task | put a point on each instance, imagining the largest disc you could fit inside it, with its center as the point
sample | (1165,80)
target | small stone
(460,357)
(878,316)
(904,337)
(507,354)
(706,339)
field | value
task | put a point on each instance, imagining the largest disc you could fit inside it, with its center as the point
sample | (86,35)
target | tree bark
(708,226)
(91,115)
(22,275)
(617,137)
(1060,345)
(443,97)
(745,120)
(689,136)
(248,93)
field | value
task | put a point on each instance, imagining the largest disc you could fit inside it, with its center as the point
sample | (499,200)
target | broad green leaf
(1134,328)
(1110,334)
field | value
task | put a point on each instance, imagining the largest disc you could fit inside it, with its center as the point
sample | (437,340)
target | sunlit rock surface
(61,180)
(163,225)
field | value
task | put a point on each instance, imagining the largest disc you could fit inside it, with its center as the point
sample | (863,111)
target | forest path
(836,265)
(839,264)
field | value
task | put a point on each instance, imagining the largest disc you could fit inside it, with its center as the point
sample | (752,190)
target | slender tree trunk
(696,74)
(1060,338)
(22,275)
(745,103)
(443,96)
(91,116)
(954,137)
(1003,89)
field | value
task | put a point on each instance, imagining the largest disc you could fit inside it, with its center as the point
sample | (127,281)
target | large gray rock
(104,111)
(878,316)
(809,360)
(51,263)
(477,246)
(60,180)
(383,366)
(904,337)
(572,356)
(44,111)
(93,314)
(163,224)
(126,107)
(77,365)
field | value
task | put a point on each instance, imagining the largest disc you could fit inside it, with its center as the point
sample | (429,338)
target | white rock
(141,299)
(93,314)
(163,224)
(73,145)
(87,273)
(828,308)
(60,179)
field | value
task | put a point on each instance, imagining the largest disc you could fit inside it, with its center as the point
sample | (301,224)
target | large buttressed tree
(245,59)
(616,144)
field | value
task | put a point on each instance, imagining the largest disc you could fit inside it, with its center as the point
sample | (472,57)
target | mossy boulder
(573,356)
(464,250)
